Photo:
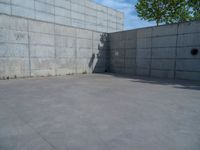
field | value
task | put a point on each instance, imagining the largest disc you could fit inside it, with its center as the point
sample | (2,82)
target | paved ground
(99,112)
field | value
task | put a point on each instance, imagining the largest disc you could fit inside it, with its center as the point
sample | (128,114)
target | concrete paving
(99,112)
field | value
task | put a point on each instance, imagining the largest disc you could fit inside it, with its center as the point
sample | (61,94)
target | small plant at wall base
(166,12)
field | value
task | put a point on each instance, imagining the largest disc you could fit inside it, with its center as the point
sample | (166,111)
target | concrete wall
(123,52)
(77,13)
(35,48)
(163,51)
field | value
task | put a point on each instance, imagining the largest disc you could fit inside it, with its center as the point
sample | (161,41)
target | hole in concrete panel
(194,51)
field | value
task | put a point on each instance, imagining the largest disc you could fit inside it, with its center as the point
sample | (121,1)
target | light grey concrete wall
(77,13)
(35,48)
(163,51)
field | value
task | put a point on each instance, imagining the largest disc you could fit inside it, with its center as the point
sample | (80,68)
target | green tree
(195,9)
(178,11)
(164,11)
(151,10)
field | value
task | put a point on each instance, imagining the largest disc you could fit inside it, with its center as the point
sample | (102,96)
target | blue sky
(127,7)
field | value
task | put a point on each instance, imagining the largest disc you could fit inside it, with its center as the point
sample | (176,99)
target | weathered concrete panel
(46,1)
(26,4)
(131,44)
(13,50)
(63,20)
(185,52)
(65,66)
(117,63)
(44,7)
(117,53)
(130,70)
(117,45)
(41,27)
(78,16)
(66,31)
(5,22)
(5,1)
(143,63)
(63,41)
(188,65)
(5,8)
(77,8)
(38,38)
(188,75)
(63,3)
(91,26)
(144,33)
(84,43)
(74,13)
(11,67)
(142,71)
(83,66)
(62,12)
(130,63)
(166,41)
(65,52)
(189,27)
(23,12)
(19,37)
(130,53)
(162,74)
(45,16)
(163,52)
(42,51)
(84,33)
(163,64)
(84,53)
(143,53)
(144,43)
(78,23)
(189,39)
(42,67)
(164,30)
(131,35)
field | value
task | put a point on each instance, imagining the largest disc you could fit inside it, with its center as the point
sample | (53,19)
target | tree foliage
(168,11)
(195,6)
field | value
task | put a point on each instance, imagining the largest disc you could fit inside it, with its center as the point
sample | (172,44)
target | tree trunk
(157,22)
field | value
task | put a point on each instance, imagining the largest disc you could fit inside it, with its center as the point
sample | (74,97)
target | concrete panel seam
(151,53)
(76,49)
(176,51)
(29,51)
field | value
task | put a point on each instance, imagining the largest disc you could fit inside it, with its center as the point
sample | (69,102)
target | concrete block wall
(163,51)
(35,48)
(77,13)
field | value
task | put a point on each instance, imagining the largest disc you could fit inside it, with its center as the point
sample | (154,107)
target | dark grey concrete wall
(122,47)
(163,51)
(34,48)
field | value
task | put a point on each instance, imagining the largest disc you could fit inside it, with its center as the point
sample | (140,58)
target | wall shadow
(100,58)
(180,84)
